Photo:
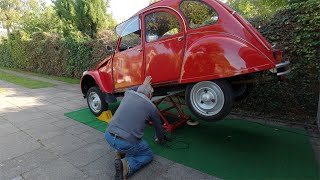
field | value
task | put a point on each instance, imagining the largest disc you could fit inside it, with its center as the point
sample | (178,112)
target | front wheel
(210,100)
(96,102)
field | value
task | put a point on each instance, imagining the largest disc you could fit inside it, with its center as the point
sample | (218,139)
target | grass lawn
(23,81)
(58,78)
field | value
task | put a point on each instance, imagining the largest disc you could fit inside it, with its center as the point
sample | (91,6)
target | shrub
(296,31)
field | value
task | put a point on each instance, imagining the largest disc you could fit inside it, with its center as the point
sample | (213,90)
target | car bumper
(283,68)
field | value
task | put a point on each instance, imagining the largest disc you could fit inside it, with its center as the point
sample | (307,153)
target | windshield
(128,27)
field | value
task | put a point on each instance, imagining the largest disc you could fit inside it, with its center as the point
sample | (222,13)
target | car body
(201,46)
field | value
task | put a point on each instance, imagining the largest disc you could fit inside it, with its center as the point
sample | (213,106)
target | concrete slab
(56,100)
(57,169)
(91,136)
(71,105)
(78,129)
(17,178)
(58,114)
(25,163)
(45,131)
(6,107)
(36,122)
(102,168)
(65,122)
(64,143)
(23,116)
(51,108)
(86,154)
(16,144)
(6,128)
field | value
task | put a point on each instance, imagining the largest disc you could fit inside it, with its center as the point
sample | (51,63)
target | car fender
(220,56)
(88,76)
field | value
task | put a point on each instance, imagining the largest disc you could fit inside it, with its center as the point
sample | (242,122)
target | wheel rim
(94,102)
(207,98)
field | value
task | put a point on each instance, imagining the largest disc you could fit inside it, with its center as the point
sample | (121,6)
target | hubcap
(94,102)
(207,98)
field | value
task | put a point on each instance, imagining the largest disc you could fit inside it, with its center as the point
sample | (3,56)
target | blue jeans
(137,155)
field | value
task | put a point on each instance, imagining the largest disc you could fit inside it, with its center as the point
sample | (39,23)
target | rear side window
(198,13)
(160,25)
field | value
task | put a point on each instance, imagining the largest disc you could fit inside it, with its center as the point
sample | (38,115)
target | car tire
(95,101)
(242,91)
(210,100)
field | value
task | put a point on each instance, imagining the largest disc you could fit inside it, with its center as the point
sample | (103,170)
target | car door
(128,59)
(164,37)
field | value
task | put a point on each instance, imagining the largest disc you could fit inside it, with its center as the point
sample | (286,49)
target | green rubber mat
(232,149)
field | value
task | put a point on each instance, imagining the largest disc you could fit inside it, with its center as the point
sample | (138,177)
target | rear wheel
(241,91)
(96,102)
(210,100)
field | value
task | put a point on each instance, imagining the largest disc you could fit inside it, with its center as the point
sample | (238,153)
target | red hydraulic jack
(175,105)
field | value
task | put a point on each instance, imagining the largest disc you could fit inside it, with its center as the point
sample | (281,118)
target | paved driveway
(38,142)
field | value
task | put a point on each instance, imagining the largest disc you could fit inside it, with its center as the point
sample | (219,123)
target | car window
(198,14)
(160,25)
(128,27)
(130,33)
(131,40)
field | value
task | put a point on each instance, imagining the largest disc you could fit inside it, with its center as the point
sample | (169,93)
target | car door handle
(180,38)
(140,50)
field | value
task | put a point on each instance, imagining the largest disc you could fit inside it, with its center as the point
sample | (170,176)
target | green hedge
(296,31)
(51,54)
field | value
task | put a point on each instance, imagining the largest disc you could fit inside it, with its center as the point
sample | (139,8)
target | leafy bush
(49,53)
(296,31)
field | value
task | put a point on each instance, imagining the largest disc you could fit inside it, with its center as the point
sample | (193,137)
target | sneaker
(119,169)
(125,168)
(119,155)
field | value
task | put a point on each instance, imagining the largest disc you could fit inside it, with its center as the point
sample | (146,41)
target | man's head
(146,90)
(146,87)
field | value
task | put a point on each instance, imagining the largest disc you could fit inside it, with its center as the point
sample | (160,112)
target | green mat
(232,149)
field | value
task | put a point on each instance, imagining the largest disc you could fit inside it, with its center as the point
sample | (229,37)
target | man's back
(129,121)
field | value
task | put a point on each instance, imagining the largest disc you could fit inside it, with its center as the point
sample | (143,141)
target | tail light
(278,55)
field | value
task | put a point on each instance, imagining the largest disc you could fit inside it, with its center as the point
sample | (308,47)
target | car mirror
(109,48)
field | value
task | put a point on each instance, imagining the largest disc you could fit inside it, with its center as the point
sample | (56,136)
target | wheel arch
(93,78)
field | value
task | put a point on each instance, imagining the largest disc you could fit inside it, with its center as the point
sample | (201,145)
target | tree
(88,16)
(10,13)
(253,8)
(39,17)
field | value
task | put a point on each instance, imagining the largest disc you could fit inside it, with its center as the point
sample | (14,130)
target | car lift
(174,104)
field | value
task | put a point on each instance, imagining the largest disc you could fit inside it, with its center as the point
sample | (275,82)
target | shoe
(119,155)
(119,169)
(125,168)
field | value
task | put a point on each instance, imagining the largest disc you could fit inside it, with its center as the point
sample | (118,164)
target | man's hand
(163,141)
(147,80)
(166,138)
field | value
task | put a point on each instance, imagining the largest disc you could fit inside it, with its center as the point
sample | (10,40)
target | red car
(200,46)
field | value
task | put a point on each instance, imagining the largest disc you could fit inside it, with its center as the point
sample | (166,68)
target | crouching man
(126,129)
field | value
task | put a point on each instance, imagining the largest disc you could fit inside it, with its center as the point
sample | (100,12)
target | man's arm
(157,124)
